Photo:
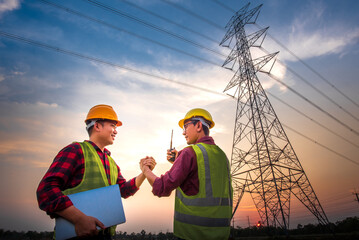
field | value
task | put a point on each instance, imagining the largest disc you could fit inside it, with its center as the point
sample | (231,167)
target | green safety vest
(94,175)
(207,214)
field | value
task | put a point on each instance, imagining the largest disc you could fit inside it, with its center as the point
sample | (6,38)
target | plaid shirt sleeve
(127,188)
(66,171)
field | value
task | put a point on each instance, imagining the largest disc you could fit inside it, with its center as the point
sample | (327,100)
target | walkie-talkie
(172,159)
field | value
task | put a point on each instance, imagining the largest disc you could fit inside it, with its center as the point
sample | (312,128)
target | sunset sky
(153,61)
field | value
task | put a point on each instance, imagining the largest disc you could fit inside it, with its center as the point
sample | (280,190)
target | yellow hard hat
(103,111)
(197,112)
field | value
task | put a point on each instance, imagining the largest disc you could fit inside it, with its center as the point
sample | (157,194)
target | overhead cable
(297,93)
(193,14)
(313,70)
(297,57)
(313,104)
(224,6)
(131,3)
(330,115)
(323,146)
(99,21)
(310,118)
(93,59)
(71,11)
(150,25)
(315,88)
(98,60)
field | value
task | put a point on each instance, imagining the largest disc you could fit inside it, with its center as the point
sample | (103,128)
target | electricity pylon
(263,161)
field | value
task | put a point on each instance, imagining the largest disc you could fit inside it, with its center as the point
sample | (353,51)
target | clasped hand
(147,163)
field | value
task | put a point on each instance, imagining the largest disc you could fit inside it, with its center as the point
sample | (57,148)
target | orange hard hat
(103,111)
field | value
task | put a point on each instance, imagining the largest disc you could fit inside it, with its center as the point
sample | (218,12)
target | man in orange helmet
(201,176)
(83,166)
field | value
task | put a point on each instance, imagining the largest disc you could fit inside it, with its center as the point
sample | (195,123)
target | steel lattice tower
(263,161)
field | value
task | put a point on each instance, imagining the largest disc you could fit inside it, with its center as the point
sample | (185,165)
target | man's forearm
(72,214)
(151,177)
(139,179)
(84,225)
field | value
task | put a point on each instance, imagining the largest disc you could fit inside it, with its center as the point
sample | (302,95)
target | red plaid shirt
(67,171)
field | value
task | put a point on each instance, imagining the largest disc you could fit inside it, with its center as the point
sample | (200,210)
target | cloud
(310,35)
(8,5)
(31,133)
(320,43)
(47,105)
(207,78)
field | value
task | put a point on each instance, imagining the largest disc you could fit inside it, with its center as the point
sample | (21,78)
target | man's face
(190,132)
(108,132)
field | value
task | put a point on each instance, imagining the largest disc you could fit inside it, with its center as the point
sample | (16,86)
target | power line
(98,60)
(315,88)
(313,104)
(224,6)
(119,29)
(297,57)
(170,21)
(93,59)
(310,118)
(77,13)
(117,11)
(323,146)
(312,69)
(296,92)
(193,14)
(150,25)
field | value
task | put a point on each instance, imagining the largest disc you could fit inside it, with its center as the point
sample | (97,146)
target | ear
(97,126)
(199,126)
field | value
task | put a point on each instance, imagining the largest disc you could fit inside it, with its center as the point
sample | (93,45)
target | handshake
(149,163)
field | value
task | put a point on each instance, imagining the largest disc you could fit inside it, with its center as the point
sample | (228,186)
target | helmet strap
(90,124)
(201,120)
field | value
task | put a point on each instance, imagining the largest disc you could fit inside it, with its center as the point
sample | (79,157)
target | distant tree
(349,224)
(143,234)
(133,235)
(309,229)
(161,236)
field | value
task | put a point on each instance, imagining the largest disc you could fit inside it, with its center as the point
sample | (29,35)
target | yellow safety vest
(94,175)
(207,214)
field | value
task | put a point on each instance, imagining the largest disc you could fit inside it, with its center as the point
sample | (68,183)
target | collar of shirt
(107,152)
(206,139)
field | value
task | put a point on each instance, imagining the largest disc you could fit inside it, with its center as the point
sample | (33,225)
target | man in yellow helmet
(83,166)
(201,176)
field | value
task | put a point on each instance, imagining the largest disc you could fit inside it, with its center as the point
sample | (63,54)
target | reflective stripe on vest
(202,221)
